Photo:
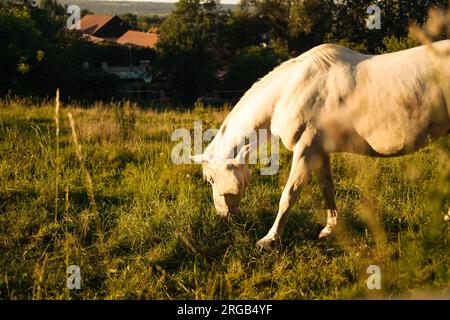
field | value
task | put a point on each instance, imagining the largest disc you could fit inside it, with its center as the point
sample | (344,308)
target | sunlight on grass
(160,237)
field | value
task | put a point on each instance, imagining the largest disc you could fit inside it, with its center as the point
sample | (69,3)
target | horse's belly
(397,108)
(398,134)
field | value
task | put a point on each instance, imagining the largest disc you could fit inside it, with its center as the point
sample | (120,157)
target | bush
(250,64)
(394,44)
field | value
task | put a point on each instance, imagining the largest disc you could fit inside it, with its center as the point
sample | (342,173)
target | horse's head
(228,178)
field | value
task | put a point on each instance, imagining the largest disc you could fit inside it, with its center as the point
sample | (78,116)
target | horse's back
(318,77)
(380,105)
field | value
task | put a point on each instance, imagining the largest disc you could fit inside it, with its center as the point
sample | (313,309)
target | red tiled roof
(138,38)
(91,23)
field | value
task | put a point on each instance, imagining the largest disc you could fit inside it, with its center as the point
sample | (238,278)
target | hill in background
(121,7)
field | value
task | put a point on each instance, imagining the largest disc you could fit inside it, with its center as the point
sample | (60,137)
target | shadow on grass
(12,197)
(208,240)
(27,126)
(81,199)
(205,240)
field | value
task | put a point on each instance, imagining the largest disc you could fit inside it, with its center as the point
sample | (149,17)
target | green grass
(154,233)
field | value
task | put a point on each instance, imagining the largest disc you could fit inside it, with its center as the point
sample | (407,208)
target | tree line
(202,48)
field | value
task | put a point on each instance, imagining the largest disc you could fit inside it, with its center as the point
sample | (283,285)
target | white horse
(331,99)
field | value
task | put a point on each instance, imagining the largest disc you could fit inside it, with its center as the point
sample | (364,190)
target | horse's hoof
(266,244)
(325,233)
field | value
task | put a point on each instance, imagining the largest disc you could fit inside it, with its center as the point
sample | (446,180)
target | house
(98,28)
(125,53)
(106,27)
(139,39)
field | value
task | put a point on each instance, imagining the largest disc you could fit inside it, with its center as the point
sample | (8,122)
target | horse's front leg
(298,176)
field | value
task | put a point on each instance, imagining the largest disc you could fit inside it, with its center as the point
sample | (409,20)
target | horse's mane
(322,57)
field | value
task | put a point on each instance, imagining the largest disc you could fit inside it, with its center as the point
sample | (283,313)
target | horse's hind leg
(326,186)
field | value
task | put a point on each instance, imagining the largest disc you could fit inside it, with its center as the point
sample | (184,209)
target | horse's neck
(240,126)
(227,141)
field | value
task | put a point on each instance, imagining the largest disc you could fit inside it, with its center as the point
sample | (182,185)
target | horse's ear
(243,154)
(200,158)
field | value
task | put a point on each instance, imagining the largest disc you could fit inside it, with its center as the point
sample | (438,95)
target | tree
(131,19)
(301,24)
(248,65)
(150,23)
(309,23)
(38,55)
(244,29)
(20,47)
(275,13)
(349,21)
(53,7)
(187,49)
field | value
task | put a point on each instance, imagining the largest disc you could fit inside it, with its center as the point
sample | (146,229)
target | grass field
(150,230)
